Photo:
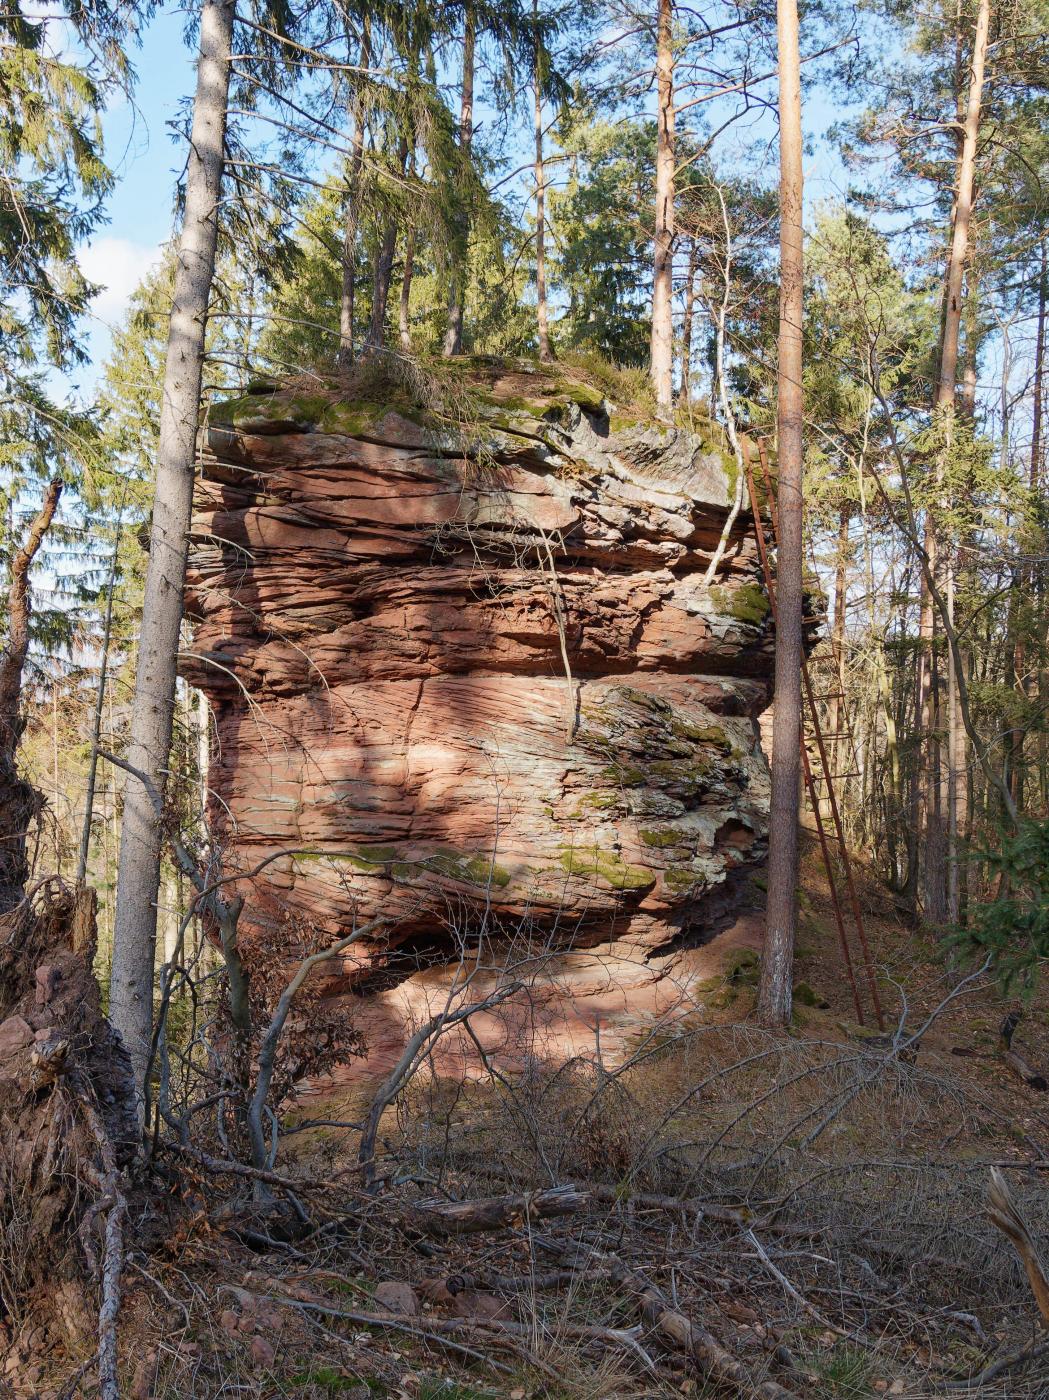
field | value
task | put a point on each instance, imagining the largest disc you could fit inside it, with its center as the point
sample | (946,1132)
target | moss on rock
(747,603)
(660,837)
(607,866)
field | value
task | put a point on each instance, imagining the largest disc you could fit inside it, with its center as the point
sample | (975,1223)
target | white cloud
(118,266)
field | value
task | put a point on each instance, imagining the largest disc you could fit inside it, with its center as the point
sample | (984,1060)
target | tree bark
(453,337)
(353,212)
(100,701)
(685,390)
(404,322)
(937,814)
(382,277)
(541,309)
(662,347)
(1036,476)
(19,801)
(152,712)
(375,337)
(775,989)
(1039,376)
(837,749)
(959,247)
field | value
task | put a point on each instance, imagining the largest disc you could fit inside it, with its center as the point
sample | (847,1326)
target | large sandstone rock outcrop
(485,682)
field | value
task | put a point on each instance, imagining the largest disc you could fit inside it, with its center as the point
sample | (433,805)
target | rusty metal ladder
(825,777)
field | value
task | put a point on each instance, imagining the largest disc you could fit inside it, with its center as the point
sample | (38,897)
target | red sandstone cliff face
(382,624)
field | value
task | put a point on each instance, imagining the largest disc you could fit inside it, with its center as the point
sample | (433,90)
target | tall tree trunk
(404,320)
(382,277)
(775,990)
(100,700)
(1036,478)
(541,310)
(152,711)
(351,223)
(685,392)
(837,749)
(1039,376)
(19,801)
(453,336)
(937,817)
(956,794)
(662,352)
(375,336)
(963,206)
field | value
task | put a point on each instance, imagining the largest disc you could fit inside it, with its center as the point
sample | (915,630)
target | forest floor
(679,1204)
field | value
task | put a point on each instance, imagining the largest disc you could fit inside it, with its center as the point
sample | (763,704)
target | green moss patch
(471,870)
(681,880)
(712,734)
(743,967)
(747,603)
(660,837)
(607,866)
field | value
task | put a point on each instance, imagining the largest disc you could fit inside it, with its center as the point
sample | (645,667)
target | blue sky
(146,162)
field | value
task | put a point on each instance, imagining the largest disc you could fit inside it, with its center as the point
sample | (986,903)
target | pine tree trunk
(375,336)
(404,322)
(100,700)
(836,749)
(152,712)
(382,277)
(453,337)
(963,206)
(541,309)
(1039,375)
(775,990)
(936,804)
(1036,477)
(662,352)
(19,801)
(351,223)
(685,391)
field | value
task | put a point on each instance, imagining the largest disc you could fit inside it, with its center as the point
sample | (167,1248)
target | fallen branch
(741,1217)
(444,1218)
(432,1332)
(999,1368)
(1016,1061)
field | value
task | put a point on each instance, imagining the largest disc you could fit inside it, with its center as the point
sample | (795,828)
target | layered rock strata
(471,675)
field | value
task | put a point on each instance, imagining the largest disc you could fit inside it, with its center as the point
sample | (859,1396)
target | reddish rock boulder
(473,676)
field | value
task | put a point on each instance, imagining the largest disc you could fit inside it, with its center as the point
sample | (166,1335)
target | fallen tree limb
(1001,1366)
(433,1331)
(743,1217)
(443,1218)
(1014,1060)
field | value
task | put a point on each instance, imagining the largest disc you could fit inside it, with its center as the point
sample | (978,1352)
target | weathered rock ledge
(382,622)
